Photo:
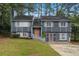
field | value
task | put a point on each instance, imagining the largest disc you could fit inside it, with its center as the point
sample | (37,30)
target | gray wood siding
(20,29)
(56,28)
(57,37)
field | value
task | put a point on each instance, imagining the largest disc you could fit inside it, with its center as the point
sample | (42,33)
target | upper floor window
(48,24)
(63,24)
(16,24)
(22,24)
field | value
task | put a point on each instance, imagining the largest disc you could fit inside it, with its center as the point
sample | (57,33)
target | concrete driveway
(66,49)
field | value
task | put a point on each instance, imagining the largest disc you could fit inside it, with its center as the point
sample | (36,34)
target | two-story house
(56,28)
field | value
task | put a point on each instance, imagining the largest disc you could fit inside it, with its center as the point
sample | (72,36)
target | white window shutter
(45,24)
(16,24)
(52,24)
(59,24)
(66,24)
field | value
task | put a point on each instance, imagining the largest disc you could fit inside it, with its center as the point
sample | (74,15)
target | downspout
(32,35)
(70,32)
(41,21)
(11,17)
(11,22)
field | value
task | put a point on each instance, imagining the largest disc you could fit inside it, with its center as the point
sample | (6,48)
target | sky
(36,6)
(53,6)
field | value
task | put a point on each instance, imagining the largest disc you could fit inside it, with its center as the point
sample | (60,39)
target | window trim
(60,36)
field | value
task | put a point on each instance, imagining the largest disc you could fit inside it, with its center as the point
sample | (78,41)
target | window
(24,24)
(48,24)
(63,24)
(63,36)
(16,24)
(25,34)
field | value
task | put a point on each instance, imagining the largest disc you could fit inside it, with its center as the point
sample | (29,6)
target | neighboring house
(55,28)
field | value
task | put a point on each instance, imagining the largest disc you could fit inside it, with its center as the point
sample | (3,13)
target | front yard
(24,47)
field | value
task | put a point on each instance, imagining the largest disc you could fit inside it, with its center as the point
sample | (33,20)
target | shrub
(43,34)
(15,35)
(26,37)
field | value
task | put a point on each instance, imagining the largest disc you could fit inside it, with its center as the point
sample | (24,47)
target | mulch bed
(75,42)
(3,39)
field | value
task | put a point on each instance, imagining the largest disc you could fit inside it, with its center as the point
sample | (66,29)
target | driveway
(66,49)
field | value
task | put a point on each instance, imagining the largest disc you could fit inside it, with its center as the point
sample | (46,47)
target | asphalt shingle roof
(54,18)
(23,17)
(43,18)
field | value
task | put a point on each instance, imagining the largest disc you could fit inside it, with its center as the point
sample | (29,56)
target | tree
(5,17)
(20,8)
(48,9)
(30,8)
(60,11)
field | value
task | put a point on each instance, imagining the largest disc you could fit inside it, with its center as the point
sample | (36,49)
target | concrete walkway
(66,49)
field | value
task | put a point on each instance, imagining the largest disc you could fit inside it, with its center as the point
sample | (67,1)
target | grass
(23,47)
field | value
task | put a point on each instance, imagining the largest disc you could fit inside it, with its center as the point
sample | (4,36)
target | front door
(51,37)
(37,32)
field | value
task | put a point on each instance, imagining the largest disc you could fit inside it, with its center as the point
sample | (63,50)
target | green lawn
(24,47)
